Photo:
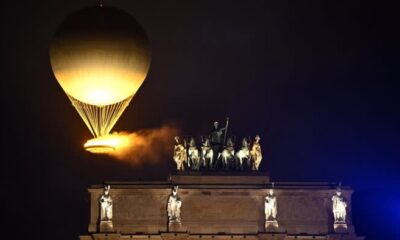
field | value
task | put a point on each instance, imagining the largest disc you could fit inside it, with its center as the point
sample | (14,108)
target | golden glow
(100,57)
(99,80)
(100,119)
(106,144)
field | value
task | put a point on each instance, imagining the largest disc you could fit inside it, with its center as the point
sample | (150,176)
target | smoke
(146,146)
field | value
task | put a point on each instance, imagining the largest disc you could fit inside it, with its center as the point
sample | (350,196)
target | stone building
(220,206)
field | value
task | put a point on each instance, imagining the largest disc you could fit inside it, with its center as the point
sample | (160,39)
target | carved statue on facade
(207,154)
(339,207)
(194,155)
(243,156)
(106,205)
(270,206)
(256,155)
(180,154)
(174,206)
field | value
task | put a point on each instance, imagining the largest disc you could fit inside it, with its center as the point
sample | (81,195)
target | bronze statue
(193,155)
(256,155)
(180,155)
(207,154)
(217,152)
(228,155)
(243,156)
(218,136)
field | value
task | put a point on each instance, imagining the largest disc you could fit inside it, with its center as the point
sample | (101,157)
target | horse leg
(209,160)
(225,162)
(197,166)
(240,163)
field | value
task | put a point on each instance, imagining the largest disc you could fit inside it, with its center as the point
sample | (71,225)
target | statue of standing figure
(256,155)
(339,207)
(106,205)
(218,136)
(270,206)
(180,155)
(174,206)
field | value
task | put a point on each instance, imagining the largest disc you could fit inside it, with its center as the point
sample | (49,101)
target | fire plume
(150,145)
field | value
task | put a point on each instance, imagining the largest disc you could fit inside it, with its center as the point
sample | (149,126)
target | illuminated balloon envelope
(100,56)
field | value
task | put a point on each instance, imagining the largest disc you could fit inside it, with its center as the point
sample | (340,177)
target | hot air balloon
(100,56)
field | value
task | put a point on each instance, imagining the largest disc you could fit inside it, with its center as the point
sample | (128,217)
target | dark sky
(316,79)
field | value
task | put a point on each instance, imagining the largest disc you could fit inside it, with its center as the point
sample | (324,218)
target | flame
(106,144)
(149,145)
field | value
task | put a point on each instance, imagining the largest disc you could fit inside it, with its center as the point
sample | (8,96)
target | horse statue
(256,155)
(194,155)
(228,155)
(180,156)
(243,155)
(207,153)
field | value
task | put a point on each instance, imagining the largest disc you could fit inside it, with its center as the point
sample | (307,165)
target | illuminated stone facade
(220,207)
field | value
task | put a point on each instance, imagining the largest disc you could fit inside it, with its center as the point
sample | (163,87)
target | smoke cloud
(146,146)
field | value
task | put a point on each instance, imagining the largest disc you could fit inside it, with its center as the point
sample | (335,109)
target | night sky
(316,79)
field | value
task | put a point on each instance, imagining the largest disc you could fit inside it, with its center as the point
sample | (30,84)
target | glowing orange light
(105,144)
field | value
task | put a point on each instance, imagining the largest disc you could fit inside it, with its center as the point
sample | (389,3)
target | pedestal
(106,226)
(272,226)
(340,227)
(176,227)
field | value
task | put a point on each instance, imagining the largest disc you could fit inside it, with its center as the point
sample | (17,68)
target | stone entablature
(187,236)
(220,206)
